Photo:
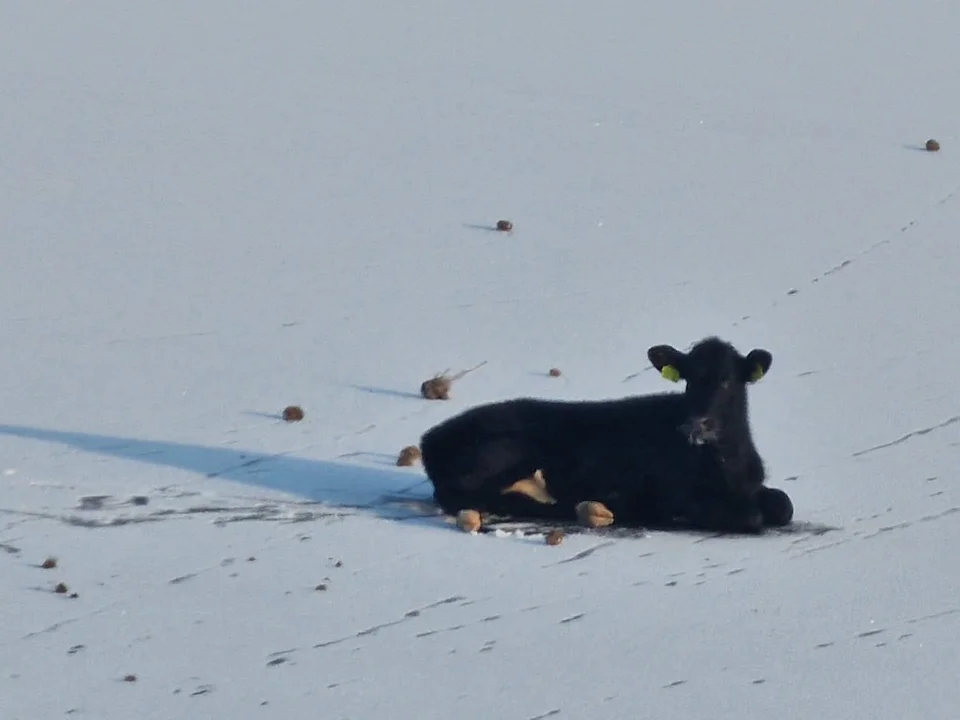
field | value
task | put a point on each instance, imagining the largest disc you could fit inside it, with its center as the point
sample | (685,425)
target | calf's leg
(527,497)
(776,506)
(531,496)
(533,487)
(727,512)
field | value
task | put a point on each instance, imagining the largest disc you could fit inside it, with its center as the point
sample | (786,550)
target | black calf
(654,460)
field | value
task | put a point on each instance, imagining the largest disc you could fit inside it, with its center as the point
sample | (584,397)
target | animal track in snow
(909,523)
(820,548)
(285,512)
(863,635)
(909,436)
(544,716)
(408,616)
(864,535)
(182,578)
(932,616)
(583,553)
(459,626)
(68,621)
(890,238)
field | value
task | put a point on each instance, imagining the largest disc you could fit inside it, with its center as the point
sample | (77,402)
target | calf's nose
(702,429)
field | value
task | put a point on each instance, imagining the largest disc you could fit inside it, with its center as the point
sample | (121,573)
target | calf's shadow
(341,487)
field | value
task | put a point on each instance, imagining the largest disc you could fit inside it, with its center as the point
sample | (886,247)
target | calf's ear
(668,360)
(756,364)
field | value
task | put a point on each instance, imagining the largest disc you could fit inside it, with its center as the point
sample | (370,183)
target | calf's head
(716,377)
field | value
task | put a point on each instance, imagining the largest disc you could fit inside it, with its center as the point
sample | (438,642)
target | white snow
(212,210)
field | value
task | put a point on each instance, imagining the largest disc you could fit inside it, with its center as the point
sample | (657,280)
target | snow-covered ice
(212,210)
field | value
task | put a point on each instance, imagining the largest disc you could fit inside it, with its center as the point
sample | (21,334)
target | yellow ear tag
(757,373)
(670,373)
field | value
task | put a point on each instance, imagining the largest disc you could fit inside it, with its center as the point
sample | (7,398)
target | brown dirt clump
(293,413)
(554,537)
(438,387)
(410,455)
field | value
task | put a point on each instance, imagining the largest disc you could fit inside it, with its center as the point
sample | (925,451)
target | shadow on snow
(394,494)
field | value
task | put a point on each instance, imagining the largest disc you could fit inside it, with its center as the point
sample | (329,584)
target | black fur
(653,460)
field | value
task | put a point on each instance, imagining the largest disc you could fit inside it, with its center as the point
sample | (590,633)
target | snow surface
(212,210)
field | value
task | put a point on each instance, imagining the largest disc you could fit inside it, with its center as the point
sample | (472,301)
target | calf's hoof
(594,514)
(776,506)
(468,520)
